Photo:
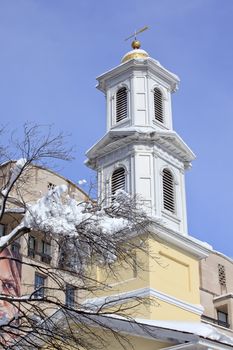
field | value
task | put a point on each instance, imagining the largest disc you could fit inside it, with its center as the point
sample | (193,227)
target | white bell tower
(141,152)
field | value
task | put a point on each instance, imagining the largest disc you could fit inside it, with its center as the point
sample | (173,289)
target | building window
(121,104)
(39,249)
(51,186)
(222,318)
(222,275)
(39,286)
(45,252)
(158,105)
(118,180)
(70,295)
(168,191)
(31,246)
(2,230)
(15,247)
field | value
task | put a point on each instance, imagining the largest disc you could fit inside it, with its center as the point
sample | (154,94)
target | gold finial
(136,43)
(135,53)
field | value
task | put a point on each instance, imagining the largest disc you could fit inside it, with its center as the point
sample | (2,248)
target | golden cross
(137,32)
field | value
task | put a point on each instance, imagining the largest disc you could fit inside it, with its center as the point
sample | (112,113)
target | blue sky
(52,50)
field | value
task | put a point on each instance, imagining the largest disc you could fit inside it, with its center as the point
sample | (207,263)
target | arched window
(121,104)
(168,191)
(118,180)
(158,105)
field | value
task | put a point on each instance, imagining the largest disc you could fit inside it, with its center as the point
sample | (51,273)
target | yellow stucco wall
(124,276)
(165,269)
(166,311)
(175,272)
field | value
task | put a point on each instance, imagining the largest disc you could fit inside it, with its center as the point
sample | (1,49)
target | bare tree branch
(85,236)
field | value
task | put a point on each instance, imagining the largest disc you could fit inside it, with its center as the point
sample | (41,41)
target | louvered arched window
(168,191)
(158,105)
(121,104)
(118,180)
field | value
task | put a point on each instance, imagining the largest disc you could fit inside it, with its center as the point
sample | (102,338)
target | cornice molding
(150,65)
(167,140)
(109,301)
(199,249)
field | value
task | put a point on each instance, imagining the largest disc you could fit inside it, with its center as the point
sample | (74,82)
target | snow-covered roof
(177,334)
(201,329)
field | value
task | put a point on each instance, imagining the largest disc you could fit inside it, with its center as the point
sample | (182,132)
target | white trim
(143,293)
(185,346)
(188,243)
(165,138)
(150,65)
(194,308)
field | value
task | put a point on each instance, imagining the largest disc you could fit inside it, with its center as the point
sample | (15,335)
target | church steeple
(140,151)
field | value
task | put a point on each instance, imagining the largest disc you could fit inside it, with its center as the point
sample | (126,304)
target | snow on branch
(15,172)
(83,229)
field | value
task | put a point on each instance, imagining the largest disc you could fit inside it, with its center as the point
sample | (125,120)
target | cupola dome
(136,53)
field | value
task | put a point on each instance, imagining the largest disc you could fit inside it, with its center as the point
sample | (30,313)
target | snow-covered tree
(84,235)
